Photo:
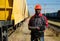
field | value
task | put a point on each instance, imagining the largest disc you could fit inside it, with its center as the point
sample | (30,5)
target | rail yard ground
(23,34)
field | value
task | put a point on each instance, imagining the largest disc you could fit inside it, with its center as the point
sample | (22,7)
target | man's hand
(38,28)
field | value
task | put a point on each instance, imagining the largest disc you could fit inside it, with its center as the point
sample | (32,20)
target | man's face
(37,11)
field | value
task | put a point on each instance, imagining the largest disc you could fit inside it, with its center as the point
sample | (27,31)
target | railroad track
(56,20)
(10,32)
(55,29)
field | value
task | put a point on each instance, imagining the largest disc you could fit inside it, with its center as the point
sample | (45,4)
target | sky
(47,5)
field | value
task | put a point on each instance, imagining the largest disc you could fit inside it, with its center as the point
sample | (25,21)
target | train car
(12,12)
(25,9)
(26,12)
(55,16)
(20,11)
(58,14)
(6,7)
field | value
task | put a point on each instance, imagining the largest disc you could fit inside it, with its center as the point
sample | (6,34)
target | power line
(44,4)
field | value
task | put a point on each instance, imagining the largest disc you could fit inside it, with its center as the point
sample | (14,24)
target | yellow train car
(12,12)
(25,10)
(5,12)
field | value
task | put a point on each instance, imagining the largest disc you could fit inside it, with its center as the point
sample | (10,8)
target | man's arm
(46,22)
(29,24)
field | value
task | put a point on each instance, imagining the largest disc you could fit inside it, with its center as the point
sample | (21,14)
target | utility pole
(45,9)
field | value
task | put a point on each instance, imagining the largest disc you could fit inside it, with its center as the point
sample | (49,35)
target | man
(37,23)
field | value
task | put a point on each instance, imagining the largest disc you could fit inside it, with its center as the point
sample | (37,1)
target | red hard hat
(38,6)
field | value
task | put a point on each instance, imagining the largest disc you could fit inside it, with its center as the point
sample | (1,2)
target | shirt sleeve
(29,22)
(46,22)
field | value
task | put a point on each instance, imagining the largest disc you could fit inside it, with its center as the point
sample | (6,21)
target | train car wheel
(14,28)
